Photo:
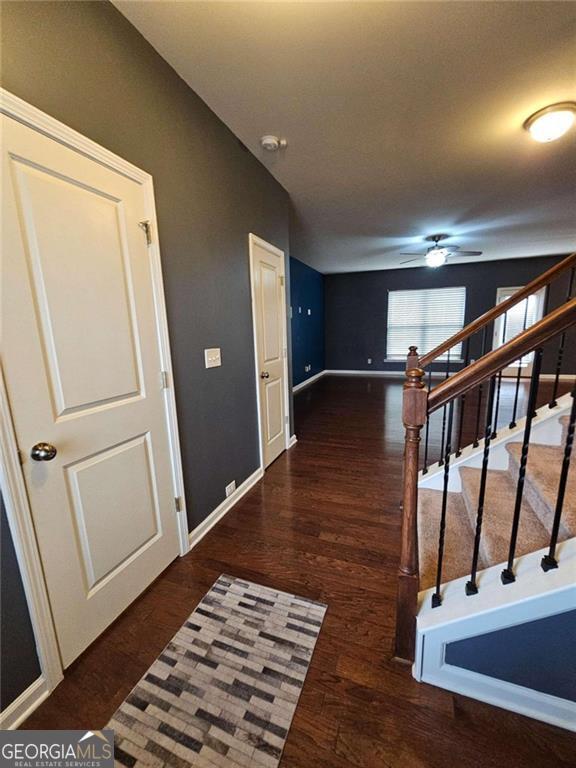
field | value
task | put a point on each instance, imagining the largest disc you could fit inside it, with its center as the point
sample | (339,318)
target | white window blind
(424,318)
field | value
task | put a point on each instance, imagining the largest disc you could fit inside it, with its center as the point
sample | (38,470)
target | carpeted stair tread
(459,541)
(542,481)
(498,514)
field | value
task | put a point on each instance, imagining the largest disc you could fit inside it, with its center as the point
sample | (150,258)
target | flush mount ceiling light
(436,257)
(272,143)
(552,122)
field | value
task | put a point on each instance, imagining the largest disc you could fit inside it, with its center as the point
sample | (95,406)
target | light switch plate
(212,357)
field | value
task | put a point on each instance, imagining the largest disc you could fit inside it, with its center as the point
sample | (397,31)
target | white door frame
(252,241)
(17,507)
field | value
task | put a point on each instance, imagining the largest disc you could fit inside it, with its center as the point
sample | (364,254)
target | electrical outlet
(212,357)
(369,361)
(230,488)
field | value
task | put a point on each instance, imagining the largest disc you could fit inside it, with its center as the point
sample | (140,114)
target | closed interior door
(269,318)
(82,366)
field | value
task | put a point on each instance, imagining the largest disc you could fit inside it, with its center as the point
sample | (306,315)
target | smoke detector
(272,143)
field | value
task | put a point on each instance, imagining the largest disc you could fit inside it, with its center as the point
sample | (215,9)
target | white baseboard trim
(391,374)
(292,442)
(307,382)
(24,705)
(202,529)
(552,376)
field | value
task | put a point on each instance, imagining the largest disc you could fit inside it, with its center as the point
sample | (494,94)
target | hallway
(323,523)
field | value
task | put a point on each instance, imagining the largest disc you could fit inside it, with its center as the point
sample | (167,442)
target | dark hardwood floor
(323,523)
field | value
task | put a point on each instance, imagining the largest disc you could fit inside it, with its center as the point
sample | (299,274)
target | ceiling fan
(437,254)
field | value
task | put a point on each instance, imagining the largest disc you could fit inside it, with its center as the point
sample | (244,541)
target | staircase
(536,516)
(489,530)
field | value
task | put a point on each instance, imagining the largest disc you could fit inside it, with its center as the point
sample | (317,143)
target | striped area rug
(224,690)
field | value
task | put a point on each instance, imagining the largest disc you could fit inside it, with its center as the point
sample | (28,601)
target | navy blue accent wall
(306,296)
(538,654)
(357,307)
(20,665)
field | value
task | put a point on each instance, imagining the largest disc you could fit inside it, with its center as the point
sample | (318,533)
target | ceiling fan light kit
(437,254)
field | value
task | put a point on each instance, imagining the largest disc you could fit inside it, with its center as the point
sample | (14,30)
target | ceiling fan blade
(468,253)
(412,253)
(409,260)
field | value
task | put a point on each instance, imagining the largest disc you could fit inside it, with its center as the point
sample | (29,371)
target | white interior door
(82,364)
(269,307)
(511,323)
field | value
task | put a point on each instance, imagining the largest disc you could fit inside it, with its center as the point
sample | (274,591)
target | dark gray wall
(357,306)
(19,663)
(83,63)
(537,654)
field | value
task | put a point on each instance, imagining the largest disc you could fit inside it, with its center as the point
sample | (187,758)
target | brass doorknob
(43,452)
(264,375)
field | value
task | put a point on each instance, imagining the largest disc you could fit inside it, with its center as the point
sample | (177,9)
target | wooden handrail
(554,323)
(540,282)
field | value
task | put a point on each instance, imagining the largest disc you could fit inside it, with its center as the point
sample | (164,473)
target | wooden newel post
(412,359)
(414,411)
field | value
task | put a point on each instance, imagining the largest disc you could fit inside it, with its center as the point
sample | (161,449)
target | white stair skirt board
(534,595)
(546,430)
(24,705)
(202,529)
(308,381)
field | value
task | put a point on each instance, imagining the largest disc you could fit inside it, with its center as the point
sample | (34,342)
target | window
(424,318)
(521,316)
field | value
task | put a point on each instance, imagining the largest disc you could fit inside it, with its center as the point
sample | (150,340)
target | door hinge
(281,280)
(164,379)
(178,503)
(145,225)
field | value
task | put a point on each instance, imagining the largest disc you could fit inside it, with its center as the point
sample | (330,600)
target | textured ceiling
(403,119)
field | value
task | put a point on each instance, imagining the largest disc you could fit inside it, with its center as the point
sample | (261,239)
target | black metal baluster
(436,599)
(561,346)
(549,561)
(441,460)
(462,403)
(495,421)
(471,586)
(480,392)
(507,575)
(518,374)
(427,437)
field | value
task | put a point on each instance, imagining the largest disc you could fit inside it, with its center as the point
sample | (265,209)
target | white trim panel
(308,381)
(534,595)
(202,529)
(24,705)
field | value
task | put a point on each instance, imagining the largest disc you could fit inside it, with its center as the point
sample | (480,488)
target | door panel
(102,487)
(82,367)
(91,261)
(269,312)
(274,410)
